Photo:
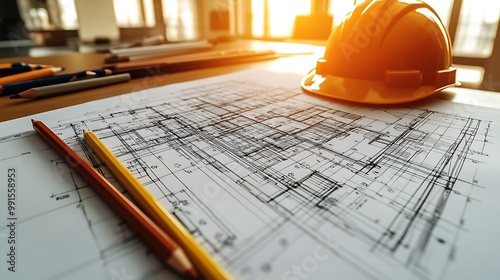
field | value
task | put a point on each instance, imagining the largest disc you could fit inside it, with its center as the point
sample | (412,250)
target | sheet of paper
(275,183)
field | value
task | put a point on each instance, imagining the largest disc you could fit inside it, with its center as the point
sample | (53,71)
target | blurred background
(46,27)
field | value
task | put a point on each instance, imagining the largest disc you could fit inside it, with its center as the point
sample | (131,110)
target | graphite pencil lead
(30,94)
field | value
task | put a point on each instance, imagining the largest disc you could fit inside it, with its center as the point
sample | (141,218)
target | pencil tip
(192,274)
(33,120)
(29,93)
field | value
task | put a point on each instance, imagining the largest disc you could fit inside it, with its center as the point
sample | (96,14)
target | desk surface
(299,64)
(350,192)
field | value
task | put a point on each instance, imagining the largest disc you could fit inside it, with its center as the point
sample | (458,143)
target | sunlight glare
(281,16)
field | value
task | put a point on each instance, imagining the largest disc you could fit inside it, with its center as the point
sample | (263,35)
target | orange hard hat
(385,52)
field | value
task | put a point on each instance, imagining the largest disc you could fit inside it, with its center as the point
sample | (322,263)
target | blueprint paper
(274,183)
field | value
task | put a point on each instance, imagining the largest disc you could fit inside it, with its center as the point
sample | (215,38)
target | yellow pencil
(205,264)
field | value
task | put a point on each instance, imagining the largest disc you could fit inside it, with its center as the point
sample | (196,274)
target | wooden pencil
(19,87)
(158,241)
(4,72)
(21,64)
(31,75)
(59,89)
(207,266)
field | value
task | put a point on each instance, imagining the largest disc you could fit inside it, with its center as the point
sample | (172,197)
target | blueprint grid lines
(262,174)
(315,188)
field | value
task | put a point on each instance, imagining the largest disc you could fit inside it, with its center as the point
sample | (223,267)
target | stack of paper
(144,52)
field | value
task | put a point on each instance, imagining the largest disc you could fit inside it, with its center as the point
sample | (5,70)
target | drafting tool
(54,90)
(4,72)
(159,242)
(21,64)
(190,61)
(202,260)
(13,64)
(155,51)
(272,182)
(31,75)
(54,80)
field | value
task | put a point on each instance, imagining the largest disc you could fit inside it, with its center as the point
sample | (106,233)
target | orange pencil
(158,241)
(31,75)
(20,64)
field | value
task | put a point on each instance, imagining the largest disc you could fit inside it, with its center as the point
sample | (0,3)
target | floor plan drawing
(276,184)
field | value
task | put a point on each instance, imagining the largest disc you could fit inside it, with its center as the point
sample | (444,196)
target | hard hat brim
(364,91)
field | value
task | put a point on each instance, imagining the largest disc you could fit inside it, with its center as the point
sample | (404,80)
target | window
(134,13)
(180,19)
(476,28)
(443,8)
(48,15)
(62,14)
(274,18)
(339,8)
(67,14)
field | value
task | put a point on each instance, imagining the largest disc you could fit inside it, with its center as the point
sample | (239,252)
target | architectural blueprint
(274,183)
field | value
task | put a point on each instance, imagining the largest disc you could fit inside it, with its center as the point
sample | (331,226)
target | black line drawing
(258,173)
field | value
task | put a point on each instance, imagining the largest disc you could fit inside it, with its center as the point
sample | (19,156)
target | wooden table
(298,64)
(301,63)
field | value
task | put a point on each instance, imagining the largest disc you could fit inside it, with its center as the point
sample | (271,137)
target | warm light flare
(280,16)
